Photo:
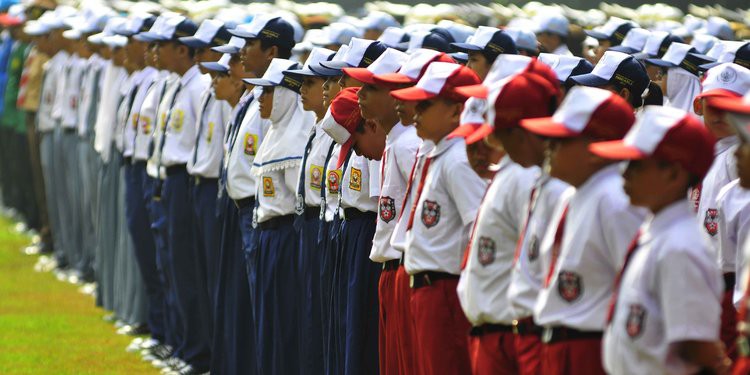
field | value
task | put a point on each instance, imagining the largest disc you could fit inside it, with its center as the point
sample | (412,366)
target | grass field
(47,327)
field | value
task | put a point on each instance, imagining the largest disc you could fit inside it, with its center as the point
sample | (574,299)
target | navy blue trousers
(310,302)
(139,227)
(332,330)
(190,288)
(276,296)
(233,330)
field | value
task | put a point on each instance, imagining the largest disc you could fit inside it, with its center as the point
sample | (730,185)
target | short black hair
(285,52)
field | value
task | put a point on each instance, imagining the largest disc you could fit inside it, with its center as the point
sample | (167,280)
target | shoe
(149,343)
(139,329)
(189,370)
(135,345)
(120,323)
(169,363)
(88,289)
(61,274)
(159,352)
(32,250)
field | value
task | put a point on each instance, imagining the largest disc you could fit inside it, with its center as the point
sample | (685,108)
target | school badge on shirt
(268,190)
(177,119)
(486,250)
(251,141)
(635,320)
(430,213)
(569,285)
(316,177)
(387,208)
(210,132)
(355,180)
(711,221)
(334,181)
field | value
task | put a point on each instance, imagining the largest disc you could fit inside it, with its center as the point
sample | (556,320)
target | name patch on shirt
(355,181)
(251,144)
(387,209)
(316,177)
(268,190)
(430,213)
(334,181)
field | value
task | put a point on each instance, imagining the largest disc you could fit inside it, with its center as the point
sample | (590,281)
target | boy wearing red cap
(446,195)
(490,256)
(653,324)
(591,229)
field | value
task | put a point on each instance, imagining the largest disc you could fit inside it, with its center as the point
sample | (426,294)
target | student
(653,324)
(584,248)
(680,84)
(491,256)
(552,31)
(609,35)
(274,260)
(619,73)
(447,194)
(484,47)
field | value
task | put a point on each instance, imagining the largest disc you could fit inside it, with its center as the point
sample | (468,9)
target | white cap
(389,62)
(727,77)
(562,65)
(474,111)
(636,38)
(729,51)
(525,39)
(274,75)
(338,33)
(552,23)
(717,27)
(378,21)
(460,32)
(436,76)
(504,66)
(703,42)
(392,36)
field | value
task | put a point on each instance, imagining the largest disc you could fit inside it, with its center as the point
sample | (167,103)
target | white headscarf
(285,142)
(682,88)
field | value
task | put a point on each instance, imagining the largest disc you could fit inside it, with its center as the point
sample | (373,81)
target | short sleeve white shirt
(183,118)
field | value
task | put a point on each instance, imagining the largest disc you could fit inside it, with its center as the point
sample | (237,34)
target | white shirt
(129,126)
(563,50)
(276,193)
(445,210)
(183,118)
(528,271)
(723,170)
(241,182)
(670,292)
(313,168)
(208,151)
(61,81)
(483,286)
(398,238)
(127,89)
(401,146)
(73,85)
(361,184)
(734,215)
(334,176)
(52,74)
(143,111)
(90,92)
(599,226)
(162,109)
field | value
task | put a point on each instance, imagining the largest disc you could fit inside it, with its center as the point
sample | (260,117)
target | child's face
(435,118)
(566,158)
(715,120)
(206,55)
(346,81)
(223,86)
(265,102)
(523,147)
(254,59)
(479,64)
(371,142)
(643,180)
(482,156)
(406,111)
(742,154)
(374,100)
(330,89)
(311,93)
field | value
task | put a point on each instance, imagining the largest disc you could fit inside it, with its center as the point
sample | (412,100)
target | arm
(709,356)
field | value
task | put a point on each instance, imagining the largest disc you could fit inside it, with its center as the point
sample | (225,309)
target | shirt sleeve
(465,187)
(620,222)
(685,280)
(291,177)
(374,169)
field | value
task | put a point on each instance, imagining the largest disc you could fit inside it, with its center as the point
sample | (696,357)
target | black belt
(174,169)
(490,328)
(139,163)
(128,159)
(200,180)
(352,213)
(244,202)
(426,278)
(276,222)
(729,280)
(526,326)
(391,265)
(68,130)
(551,335)
(312,212)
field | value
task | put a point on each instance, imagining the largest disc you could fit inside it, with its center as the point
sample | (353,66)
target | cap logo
(269,34)
(619,36)
(623,80)
(727,76)
(689,66)
(741,62)
(495,48)
(291,83)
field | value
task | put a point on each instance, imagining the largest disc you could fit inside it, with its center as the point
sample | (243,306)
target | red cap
(667,134)
(8,20)
(587,111)
(342,120)
(413,69)
(731,104)
(440,80)
(389,61)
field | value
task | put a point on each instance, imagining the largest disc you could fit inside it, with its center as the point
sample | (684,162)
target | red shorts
(493,354)
(741,366)
(441,329)
(528,353)
(388,327)
(728,331)
(405,323)
(573,357)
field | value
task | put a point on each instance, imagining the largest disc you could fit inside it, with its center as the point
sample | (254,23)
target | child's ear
(456,111)
(698,106)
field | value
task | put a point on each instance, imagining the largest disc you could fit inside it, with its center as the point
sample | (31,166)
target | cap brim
(730,104)
(193,42)
(718,93)
(709,65)
(547,127)
(301,72)
(471,133)
(335,65)
(465,47)
(616,150)
(226,49)
(623,49)
(214,66)
(660,62)
(393,79)
(259,82)
(483,131)
(589,79)
(476,91)
(324,72)
(412,94)
(460,57)
(596,35)
(641,56)
(360,74)
(146,37)
(242,34)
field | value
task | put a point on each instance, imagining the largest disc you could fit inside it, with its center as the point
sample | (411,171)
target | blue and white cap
(634,41)
(219,66)
(274,76)
(234,46)
(317,55)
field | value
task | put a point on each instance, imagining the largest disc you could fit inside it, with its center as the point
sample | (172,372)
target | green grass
(47,327)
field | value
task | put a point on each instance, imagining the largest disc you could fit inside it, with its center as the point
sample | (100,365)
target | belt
(352,213)
(551,335)
(391,265)
(68,130)
(276,222)
(312,212)
(139,163)
(244,202)
(128,160)
(526,326)
(200,180)
(174,169)
(729,280)
(426,278)
(485,329)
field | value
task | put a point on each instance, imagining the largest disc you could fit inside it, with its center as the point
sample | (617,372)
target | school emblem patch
(711,221)
(134,121)
(316,177)
(176,120)
(74,102)
(355,180)
(334,180)
(430,213)
(533,250)
(636,318)
(569,286)
(486,250)
(251,142)
(268,190)
(146,125)
(210,132)
(387,209)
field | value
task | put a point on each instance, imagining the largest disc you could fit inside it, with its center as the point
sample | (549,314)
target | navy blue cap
(361,54)
(219,66)
(657,52)
(185,28)
(616,68)
(741,58)
(614,31)
(680,55)
(275,76)
(438,39)
(624,49)
(583,67)
(316,56)
(488,40)
(276,30)
(211,33)
(460,57)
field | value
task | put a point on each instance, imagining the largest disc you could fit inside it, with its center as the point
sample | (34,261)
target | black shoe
(190,370)
(160,352)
